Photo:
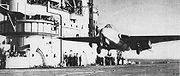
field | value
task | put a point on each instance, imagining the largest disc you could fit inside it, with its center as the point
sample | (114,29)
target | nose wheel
(138,52)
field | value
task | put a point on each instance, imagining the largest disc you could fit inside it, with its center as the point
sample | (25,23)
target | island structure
(30,29)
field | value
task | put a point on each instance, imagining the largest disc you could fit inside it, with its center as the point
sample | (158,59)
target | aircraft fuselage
(112,40)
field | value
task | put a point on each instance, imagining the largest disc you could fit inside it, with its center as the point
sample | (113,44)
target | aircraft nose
(108,26)
(111,34)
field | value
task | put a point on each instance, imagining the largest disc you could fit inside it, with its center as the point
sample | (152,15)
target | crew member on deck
(84,59)
(100,59)
(119,56)
(80,59)
(66,58)
(76,59)
(70,58)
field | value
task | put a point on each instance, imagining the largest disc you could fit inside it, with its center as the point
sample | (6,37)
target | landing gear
(138,52)
(98,50)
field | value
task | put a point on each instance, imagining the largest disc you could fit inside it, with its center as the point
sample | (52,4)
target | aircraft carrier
(29,31)
(29,44)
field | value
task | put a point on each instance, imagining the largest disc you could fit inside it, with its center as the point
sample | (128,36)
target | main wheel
(138,52)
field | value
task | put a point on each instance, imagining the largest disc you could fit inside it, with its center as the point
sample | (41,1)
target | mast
(91,24)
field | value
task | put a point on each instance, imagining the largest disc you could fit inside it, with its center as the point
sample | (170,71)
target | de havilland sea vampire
(111,39)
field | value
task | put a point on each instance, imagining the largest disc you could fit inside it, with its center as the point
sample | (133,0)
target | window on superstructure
(32,55)
(73,20)
(73,6)
(77,35)
(54,56)
(69,6)
(54,5)
(79,7)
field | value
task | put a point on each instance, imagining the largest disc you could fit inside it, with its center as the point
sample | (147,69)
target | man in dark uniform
(76,59)
(2,58)
(119,56)
(80,60)
(70,58)
(108,59)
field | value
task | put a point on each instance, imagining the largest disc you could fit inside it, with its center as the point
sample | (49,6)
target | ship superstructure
(31,28)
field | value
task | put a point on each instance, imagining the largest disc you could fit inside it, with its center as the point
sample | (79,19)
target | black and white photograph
(89,37)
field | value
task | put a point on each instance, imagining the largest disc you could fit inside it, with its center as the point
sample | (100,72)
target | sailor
(80,59)
(119,56)
(76,59)
(84,59)
(108,58)
(98,59)
(2,58)
(70,58)
(66,58)
(101,57)
(122,60)
(113,56)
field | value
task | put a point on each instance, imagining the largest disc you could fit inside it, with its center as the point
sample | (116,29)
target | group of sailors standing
(110,58)
(74,59)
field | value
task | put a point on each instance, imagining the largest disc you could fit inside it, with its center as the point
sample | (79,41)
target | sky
(144,17)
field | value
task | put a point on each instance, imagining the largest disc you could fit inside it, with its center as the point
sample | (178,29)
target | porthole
(54,55)
(77,35)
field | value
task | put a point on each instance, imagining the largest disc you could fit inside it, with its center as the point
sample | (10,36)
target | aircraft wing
(154,39)
(82,39)
(144,42)
(4,11)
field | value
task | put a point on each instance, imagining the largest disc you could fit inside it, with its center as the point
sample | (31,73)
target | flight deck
(169,69)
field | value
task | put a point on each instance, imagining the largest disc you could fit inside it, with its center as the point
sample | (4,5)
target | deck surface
(169,69)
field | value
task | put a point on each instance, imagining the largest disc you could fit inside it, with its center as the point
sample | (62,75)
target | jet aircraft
(110,39)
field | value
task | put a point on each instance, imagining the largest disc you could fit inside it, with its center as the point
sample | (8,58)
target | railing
(37,26)
(30,26)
